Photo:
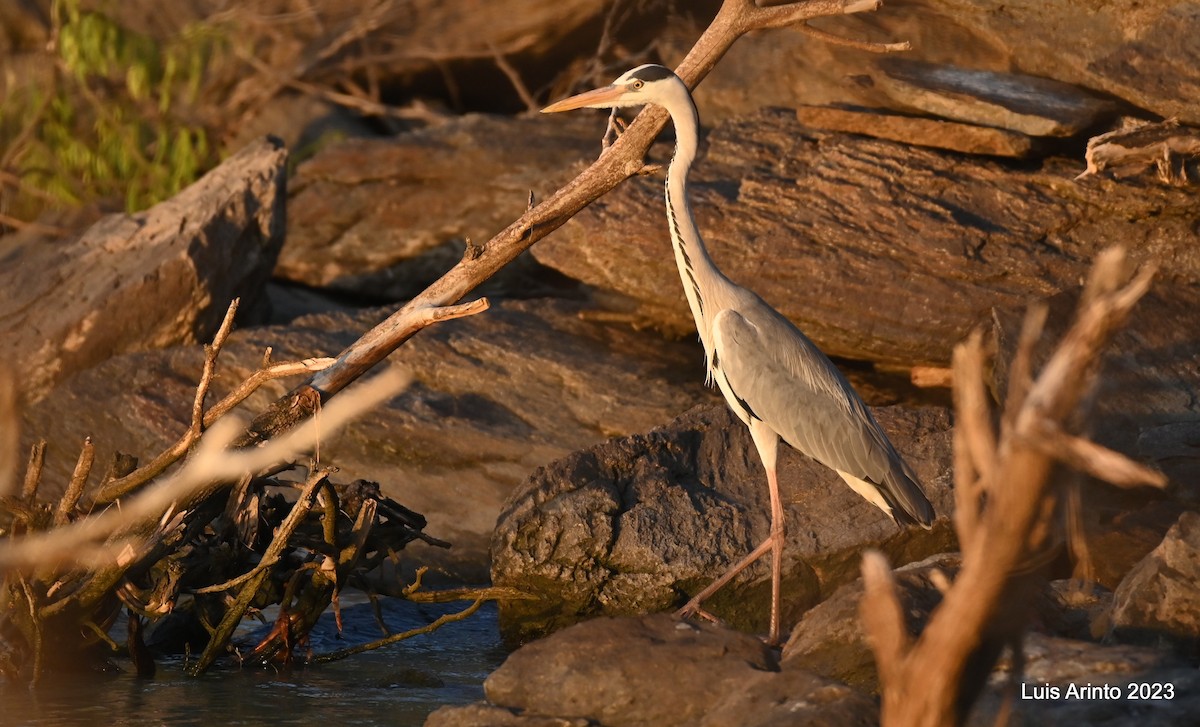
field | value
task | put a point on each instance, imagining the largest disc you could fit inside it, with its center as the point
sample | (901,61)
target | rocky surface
(829,639)
(629,671)
(1058,664)
(1140,52)
(149,280)
(632,525)
(655,670)
(383,218)
(936,133)
(1025,104)
(1159,600)
(886,253)
(496,395)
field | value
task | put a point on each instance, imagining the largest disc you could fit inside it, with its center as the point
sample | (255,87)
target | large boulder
(383,218)
(495,396)
(655,670)
(148,280)
(876,250)
(636,524)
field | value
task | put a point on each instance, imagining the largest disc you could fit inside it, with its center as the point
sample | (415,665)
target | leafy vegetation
(118,120)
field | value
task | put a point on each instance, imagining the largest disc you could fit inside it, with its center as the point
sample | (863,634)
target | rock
(877,251)
(1067,666)
(656,670)
(1119,533)
(829,640)
(633,525)
(1159,601)
(305,122)
(496,395)
(382,219)
(154,279)
(1025,104)
(935,133)
(1144,53)
(486,715)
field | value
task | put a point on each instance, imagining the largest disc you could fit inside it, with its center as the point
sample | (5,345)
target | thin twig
(211,352)
(19,224)
(394,638)
(514,78)
(974,440)
(1020,372)
(883,616)
(851,43)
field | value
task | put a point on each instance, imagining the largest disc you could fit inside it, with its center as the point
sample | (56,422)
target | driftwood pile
(212,551)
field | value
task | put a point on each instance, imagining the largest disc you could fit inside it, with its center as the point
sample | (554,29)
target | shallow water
(397,685)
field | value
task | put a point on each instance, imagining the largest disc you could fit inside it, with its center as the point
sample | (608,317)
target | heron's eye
(637,84)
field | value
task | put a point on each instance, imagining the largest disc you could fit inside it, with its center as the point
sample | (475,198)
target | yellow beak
(597,98)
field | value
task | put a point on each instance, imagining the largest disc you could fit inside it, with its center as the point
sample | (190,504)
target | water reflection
(397,685)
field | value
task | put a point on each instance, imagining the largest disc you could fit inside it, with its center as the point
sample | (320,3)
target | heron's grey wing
(788,383)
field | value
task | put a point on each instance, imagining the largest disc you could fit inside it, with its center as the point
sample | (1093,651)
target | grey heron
(772,376)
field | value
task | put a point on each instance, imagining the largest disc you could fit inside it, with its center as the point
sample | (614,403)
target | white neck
(702,281)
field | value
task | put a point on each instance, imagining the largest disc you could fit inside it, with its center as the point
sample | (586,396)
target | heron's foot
(692,608)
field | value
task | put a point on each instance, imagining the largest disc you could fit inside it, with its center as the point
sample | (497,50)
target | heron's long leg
(693,606)
(777,538)
(767,442)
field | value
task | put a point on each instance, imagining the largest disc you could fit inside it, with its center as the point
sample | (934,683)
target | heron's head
(646,84)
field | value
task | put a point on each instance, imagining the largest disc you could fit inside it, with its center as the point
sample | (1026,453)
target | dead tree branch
(1008,507)
(120,486)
